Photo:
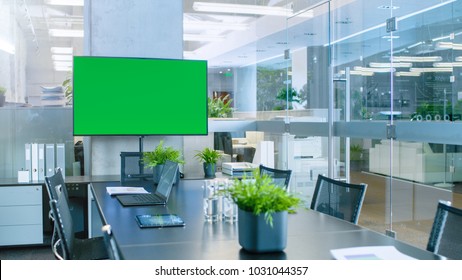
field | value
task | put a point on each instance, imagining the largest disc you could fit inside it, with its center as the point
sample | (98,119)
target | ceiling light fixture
(357,73)
(407,74)
(241,9)
(65,2)
(447,64)
(66,32)
(375,70)
(62,57)
(202,38)
(449,45)
(62,63)
(383,24)
(215,25)
(7,47)
(430,69)
(416,58)
(388,65)
(62,50)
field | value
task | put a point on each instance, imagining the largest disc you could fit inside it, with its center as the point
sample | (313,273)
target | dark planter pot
(2,100)
(256,236)
(209,170)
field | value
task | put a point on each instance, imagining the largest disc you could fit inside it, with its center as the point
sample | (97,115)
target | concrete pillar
(124,28)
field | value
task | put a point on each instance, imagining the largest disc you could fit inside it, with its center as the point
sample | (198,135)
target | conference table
(311,235)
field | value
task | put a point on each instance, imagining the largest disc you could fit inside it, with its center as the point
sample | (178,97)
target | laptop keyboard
(147,198)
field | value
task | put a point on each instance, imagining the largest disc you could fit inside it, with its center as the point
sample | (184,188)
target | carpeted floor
(27,253)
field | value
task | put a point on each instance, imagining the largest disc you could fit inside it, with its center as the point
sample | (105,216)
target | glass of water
(211,201)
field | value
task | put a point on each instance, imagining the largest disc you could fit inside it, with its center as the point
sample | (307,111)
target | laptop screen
(167,178)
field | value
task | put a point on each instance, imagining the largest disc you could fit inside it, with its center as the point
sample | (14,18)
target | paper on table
(369,253)
(125,190)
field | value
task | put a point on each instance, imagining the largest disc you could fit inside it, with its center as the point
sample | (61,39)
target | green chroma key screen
(139,96)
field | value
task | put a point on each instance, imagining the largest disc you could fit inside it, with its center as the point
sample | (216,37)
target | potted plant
(157,158)
(209,157)
(262,212)
(219,107)
(2,96)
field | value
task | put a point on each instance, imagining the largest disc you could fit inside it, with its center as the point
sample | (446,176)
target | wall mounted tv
(139,96)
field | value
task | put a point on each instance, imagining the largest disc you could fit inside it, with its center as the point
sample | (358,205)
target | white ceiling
(268,36)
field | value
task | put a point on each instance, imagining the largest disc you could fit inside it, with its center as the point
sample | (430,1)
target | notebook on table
(162,193)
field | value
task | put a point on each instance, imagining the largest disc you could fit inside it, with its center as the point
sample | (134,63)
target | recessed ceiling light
(66,32)
(62,50)
(241,9)
(390,37)
(65,2)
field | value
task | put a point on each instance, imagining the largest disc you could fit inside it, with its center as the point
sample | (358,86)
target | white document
(125,190)
(369,253)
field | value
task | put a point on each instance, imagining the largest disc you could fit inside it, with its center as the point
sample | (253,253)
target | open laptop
(160,197)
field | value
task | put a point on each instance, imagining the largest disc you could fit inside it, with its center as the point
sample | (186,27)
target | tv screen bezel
(206,128)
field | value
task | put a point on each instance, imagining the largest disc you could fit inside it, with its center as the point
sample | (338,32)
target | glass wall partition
(396,78)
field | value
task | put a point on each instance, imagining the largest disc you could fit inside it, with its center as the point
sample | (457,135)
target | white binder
(41,162)
(34,161)
(49,160)
(61,157)
(28,160)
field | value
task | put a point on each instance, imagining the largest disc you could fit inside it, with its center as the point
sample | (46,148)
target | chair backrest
(338,199)
(63,225)
(56,185)
(446,234)
(132,168)
(113,249)
(280,177)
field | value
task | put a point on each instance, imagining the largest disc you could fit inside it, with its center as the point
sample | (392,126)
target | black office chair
(280,177)
(73,248)
(132,168)
(112,247)
(55,185)
(338,199)
(446,234)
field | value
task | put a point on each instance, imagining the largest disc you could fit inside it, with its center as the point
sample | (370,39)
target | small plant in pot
(263,208)
(209,157)
(157,158)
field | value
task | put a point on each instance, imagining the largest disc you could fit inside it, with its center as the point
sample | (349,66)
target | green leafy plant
(208,155)
(160,155)
(356,152)
(289,96)
(219,107)
(2,90)
(260,195)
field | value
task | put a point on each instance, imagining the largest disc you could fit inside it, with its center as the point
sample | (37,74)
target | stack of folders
(53,96)
(42,159)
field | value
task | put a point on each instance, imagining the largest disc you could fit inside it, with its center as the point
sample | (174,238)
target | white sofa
(416,162)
